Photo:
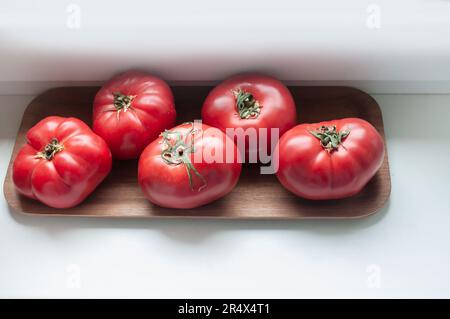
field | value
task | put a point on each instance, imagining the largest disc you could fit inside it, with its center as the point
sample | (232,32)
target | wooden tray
(255,196)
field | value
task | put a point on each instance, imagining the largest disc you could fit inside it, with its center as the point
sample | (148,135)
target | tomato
(131,110)
(62,162)
(251,102)
(189,166)
(329,160)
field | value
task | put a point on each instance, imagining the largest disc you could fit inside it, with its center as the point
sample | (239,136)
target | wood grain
(256,196)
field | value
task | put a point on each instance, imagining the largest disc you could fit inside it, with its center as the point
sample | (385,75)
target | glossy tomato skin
(152,109)
(278,108)
(309,171)
(168,185)
(72,174)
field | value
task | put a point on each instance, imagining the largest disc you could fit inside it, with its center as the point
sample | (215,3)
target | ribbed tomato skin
(72,174)
(278,109)
(168,185)
(152,110)
(309,171)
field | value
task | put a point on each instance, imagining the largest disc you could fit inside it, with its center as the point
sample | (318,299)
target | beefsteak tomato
(251,102)
(189,166)
(329,160)
(62,162)
(131,110)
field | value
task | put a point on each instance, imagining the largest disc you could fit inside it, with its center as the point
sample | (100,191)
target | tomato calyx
(246,104)
(329,137)
(122,102)
(176,149)
(50,150)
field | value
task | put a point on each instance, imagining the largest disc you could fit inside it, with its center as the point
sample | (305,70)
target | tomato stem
(122,102)
(329,137)
(246,104)
(176,149)
(50,150)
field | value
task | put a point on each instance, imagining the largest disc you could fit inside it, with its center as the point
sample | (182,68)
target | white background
(379,45)
(403,251)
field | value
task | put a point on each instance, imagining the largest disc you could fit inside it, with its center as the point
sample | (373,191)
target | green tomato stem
(122,102)
(50,150)
(329,137)
(176,151)
(246,104)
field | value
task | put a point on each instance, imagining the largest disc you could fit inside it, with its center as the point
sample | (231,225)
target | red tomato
(189,166)
(62,163)
(131,110)
(329,160)
(250,101)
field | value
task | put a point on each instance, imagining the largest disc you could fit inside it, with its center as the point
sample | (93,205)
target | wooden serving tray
(255,196)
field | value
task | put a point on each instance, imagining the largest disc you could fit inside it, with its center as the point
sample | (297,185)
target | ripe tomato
(62,162)
(250,102)
(329,160)
(189,166)
(131,110)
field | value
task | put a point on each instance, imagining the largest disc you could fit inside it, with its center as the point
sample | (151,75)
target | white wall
(41,43)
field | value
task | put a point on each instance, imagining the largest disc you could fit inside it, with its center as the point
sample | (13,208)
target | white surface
(393,46)
(406,244)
